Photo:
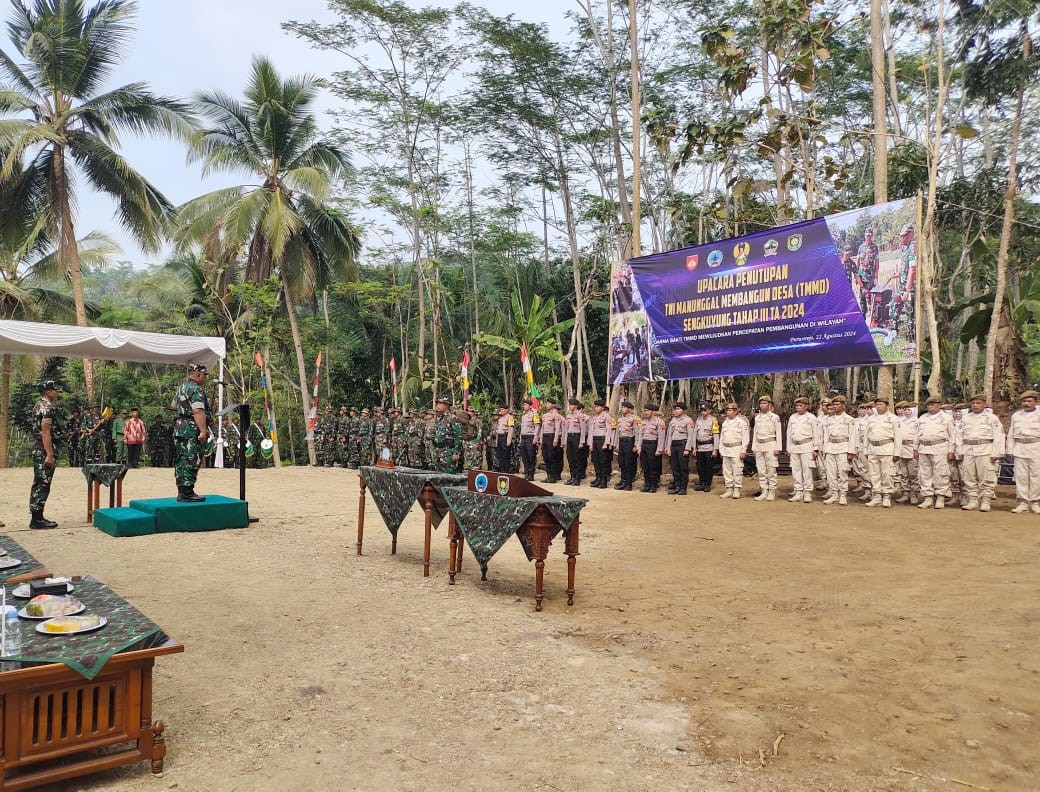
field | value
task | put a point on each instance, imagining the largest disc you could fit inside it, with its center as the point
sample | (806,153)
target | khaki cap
(1029,394)
(933,400)
(978,397)
(765,399)
(801,400)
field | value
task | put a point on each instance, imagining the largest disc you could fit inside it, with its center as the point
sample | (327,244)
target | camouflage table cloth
(396,489)
(87,653)
(14,550)
(107,474)
(487,521)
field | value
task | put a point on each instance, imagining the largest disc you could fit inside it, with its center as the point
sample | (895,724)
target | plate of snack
(6,562)
(22,590)
(71,625)
(47,606)
(2,552)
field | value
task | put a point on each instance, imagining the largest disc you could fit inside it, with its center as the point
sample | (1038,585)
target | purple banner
(825,293)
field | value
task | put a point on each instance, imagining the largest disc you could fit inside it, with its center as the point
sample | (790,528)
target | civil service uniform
(908,479)
(1023,443)
(884,436)
(803,442)
(766,442)
(935,445)
(980,443)
(840,441)
(734,436)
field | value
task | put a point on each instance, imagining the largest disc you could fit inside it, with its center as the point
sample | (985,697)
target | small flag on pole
(312,418)
(525,361)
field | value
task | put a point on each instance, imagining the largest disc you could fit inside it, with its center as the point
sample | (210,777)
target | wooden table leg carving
(158,747)
(428,494)
(453,536)
(539,529)
(571,549)
(361,517)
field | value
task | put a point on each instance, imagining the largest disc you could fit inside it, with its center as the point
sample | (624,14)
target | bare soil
(712,645)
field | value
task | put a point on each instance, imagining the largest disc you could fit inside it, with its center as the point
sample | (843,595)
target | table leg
(112,496)
(539,573)
(458,557)
(571,549)
(119,493)
(361,517)
(90,493)
(429,532)
(453,536)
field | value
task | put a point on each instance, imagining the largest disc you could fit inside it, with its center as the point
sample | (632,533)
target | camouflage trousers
(186,460)
(472,455)
(415,453)
(42,477)
(443,462)
(401,455)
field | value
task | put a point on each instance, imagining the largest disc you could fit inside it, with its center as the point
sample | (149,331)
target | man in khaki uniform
(767,442)
(979,446)
(803,444)
(884,439)
(1023,443)
(859,463)
(956,480)
(733,442)
(934,450)
(840,446)
(907,479)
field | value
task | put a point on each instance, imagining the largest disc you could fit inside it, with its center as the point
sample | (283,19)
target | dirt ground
(712,645)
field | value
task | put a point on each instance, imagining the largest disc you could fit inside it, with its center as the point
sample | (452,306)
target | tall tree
(67,125)
(284,222)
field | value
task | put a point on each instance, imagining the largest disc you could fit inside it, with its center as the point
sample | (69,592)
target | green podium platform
(166,515)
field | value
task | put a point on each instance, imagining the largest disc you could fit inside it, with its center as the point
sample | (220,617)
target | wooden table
(115,489)
(51,716)
(428,497)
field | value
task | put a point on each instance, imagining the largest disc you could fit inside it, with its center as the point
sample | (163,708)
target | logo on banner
(771,247)
(691,262)
(480,482)
(715,258)
(794,242)
(741,251)
(503,485)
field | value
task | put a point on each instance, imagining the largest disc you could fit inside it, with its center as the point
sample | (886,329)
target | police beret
(765,399)
(679,406)
(600,403)
(503,406)
(1029,394)
(628,404)
(651,406)
(550,400)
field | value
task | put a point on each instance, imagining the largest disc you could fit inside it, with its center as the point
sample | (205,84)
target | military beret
(978,397)
(932,400)
(329,408)
(47,385)
(628,404)
(1029,394)
(765,399)
(960,406)
(600,403)
(801,400)
(882,399)
(444,400)
(651,406)
(679,406)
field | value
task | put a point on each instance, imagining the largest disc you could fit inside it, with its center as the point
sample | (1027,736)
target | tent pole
(218,462)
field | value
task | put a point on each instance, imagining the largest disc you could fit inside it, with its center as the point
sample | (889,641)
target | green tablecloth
(487,521)
(396,489)
(87,653)
(14,550)
(107,474)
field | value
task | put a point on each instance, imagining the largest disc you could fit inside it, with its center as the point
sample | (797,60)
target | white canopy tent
(106,343)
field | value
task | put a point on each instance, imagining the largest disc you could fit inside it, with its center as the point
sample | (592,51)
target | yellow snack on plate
(71,623)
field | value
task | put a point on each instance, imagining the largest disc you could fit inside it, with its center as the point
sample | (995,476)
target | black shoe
(187,495)
(41,523)
(620,485)
(681,491)
(627,488)
(653,489)
(672,490)
(756,494)
(645,488)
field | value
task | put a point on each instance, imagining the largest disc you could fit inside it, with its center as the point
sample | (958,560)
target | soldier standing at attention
(472,441)
(934,450)
(380,432)
(601,431)
(155,443)
(840,447)
(575,426)
(119,436)
(803,446)
(706,445)
(89,439)
(884,439)
(43,418)
(625,440)
(447,438)
(980,445)
(1023,443)
(956,480)
(907,472)
(342,435)
(859,462)
(650,445)
(552,441)
(530,437)
(190,432)
(678,445)
(364,438)
(767,443)
(867,259)
(505,426)
(734,436)
(72,438)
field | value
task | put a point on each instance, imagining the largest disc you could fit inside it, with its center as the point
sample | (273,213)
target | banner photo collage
(825,293)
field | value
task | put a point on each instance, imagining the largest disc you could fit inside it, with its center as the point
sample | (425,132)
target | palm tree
(66,125)
(284,222)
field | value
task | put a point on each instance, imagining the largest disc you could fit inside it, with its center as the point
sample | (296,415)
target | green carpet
(215,513)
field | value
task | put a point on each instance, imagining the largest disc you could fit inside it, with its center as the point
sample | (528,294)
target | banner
(826,293)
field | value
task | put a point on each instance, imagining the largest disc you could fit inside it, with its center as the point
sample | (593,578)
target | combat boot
(807,497)
(903,498)
(832,498)
(874,501)
(645,487)
(984,505)
(926,503)
(620,485)
(727,494)
(914,499)
(940,502)
(770,495)
(886,502)
(736,493)
(39,522)
(971,504)
(795,498)
(1021,508)
(187,495)
(842,500)
(762,495)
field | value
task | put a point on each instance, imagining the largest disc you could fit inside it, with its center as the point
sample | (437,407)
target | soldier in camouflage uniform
(190,432)
(72,438)
(413,438)
(447,439)
(398,440)
(344,429)
(89,437)
(428,431)
(472,442)
(364,438)
(43,419)
(159,443)
(380,432)
(326,447)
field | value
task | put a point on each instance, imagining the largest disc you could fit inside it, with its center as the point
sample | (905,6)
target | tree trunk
(637,127)
(989,384)
(301,370)
(5,409)
(68,255)
(877,63)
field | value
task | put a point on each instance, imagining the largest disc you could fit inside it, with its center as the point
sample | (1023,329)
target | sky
(185,46)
